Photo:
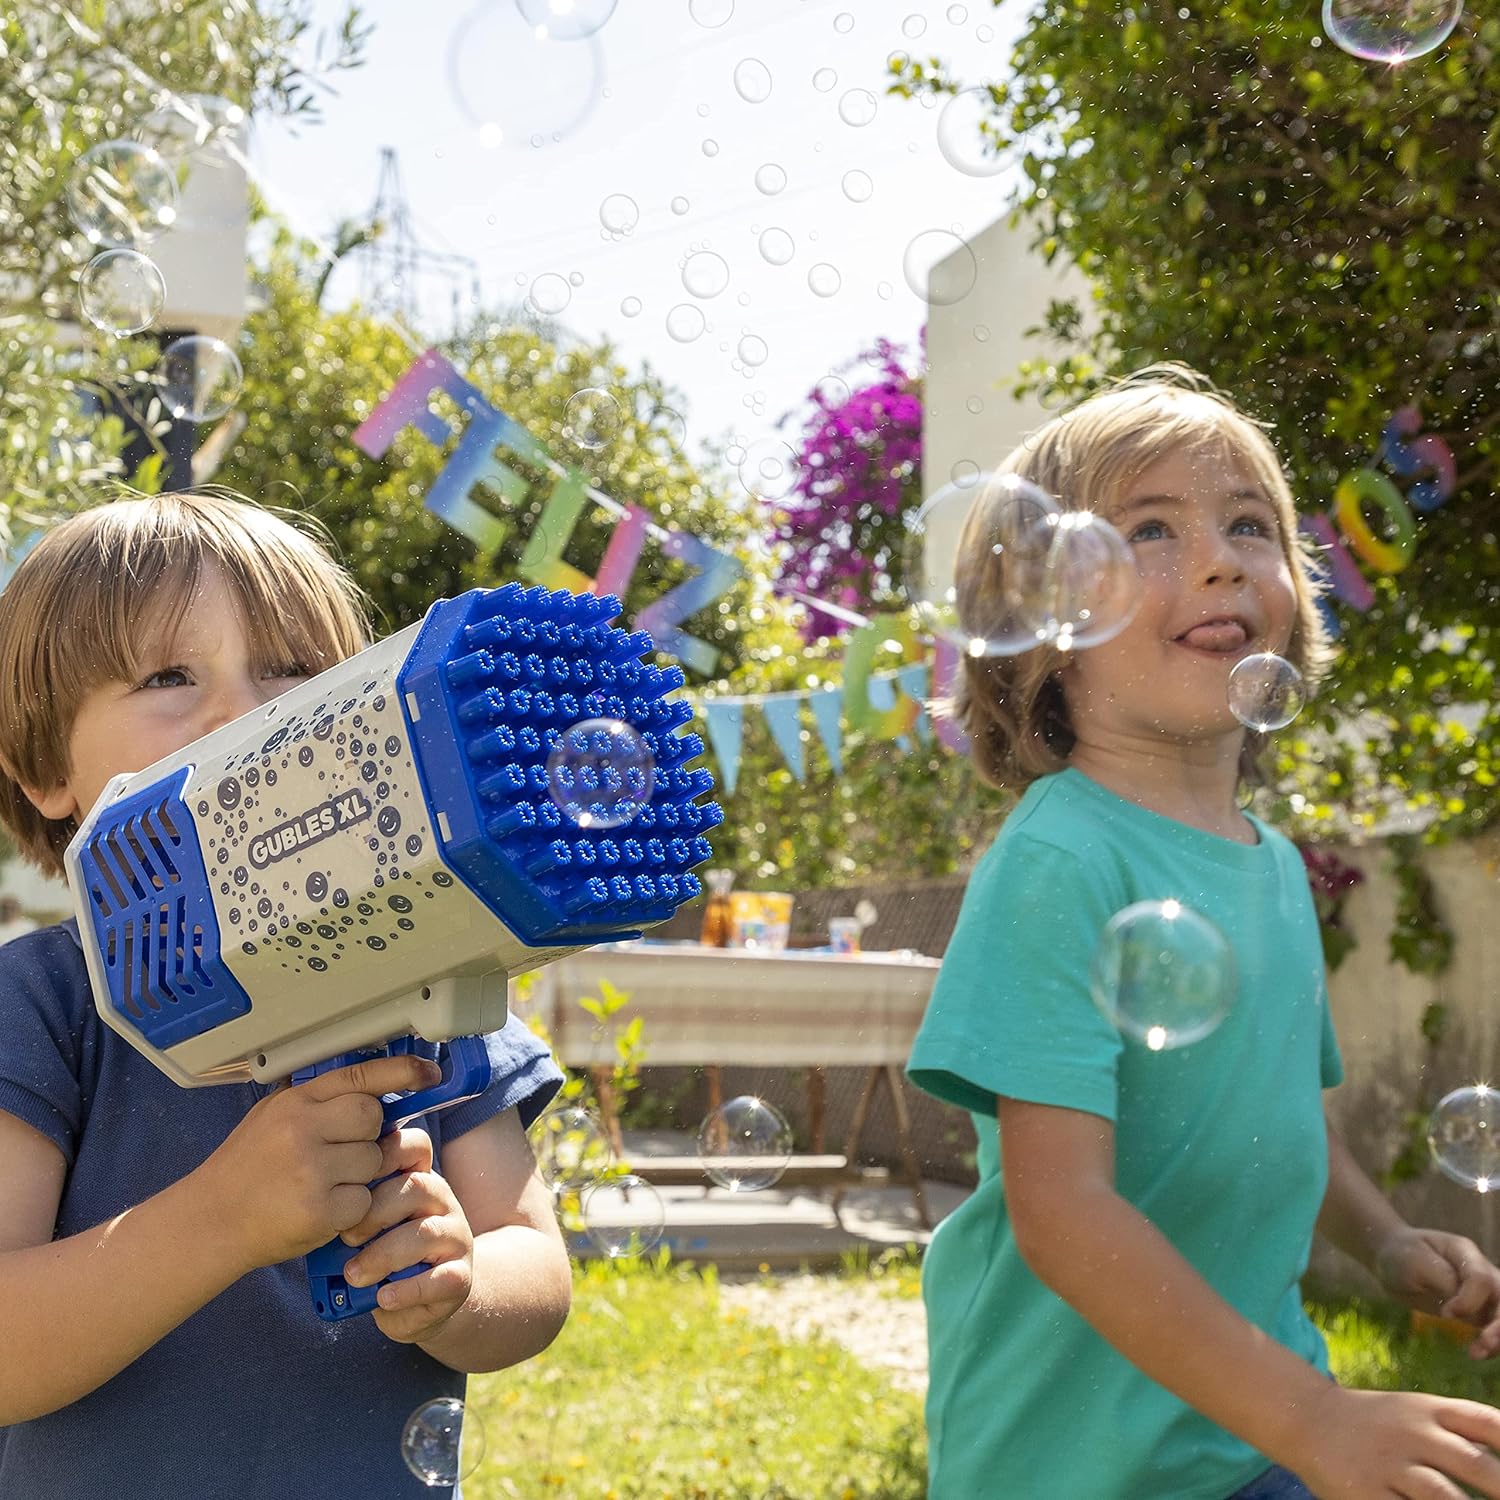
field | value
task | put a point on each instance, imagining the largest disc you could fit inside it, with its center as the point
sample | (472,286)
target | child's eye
(1148,531)
(166,677)
(1251,525)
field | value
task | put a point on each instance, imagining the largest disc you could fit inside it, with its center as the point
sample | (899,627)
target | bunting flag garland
(914,678)
(882,697)
(827,705)
(782,717)
(726,725)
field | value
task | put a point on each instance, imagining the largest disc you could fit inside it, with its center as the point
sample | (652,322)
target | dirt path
(884,1331)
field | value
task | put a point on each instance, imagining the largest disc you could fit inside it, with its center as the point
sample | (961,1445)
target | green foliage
(1420,938)
(1319,235)
(652,1389)
(68,84)
(1373,1346)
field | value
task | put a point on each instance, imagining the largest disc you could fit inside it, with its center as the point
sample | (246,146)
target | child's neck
(1197,787)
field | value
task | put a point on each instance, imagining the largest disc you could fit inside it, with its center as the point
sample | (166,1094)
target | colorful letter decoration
(718,573)
(859,661)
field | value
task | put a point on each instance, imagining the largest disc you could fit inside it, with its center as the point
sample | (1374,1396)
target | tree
(70,81)
(1320,235)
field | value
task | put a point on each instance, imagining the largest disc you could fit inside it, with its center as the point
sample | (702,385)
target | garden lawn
(654,1390)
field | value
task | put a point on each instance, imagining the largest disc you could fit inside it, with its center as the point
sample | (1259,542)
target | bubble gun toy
(361,865)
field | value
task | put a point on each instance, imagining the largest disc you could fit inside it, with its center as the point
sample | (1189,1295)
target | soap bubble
(939,267)
(671,424)
(200,378)
(1092,587)
(777,246)
(770,179)
(517,82)
(549,293)
(601,774)
(913,27)
(1162,974)
(1390,31)
(857,107)
(1463,1135)
(962,137)
(824,79)
(857,186)
(1014,523)
(619,213)
(745,1144)
(567,20)
(591,419)
(686,322)
(121,193)
(752,349)
(1265,691)
(187,124)
(570,1148)
(440,1447)
(121,291)
(710,14)
(705,274)
(624,1216)
(768,469)
(752,80)
(680,205)
(824,279)
(630,306)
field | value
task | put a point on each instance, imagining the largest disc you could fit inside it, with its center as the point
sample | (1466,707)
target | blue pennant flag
(828,710)
(914,677)
(726,723)
(781,715)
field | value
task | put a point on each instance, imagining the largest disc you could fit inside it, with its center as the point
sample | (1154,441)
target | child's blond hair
(1012,707)
(84,600)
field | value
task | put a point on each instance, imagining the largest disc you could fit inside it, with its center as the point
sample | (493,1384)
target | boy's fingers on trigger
(405,1150)
(376,1075)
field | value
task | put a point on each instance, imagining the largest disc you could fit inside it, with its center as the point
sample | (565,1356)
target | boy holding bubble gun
(1116,1313)
(160,1337)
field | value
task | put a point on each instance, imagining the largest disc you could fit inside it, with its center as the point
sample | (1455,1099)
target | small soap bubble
(671,424)
(857,186)
(939,267)
(883,290)
(710,147)
(1265,691)
(753,350)
(630,306)
(752,80)
(121,291)
(843,23)
(575,278)
(745,1144)
(121,194)
(824,279)
(567,20)
(680,205)
(199,378)
(965,473)
(1463,1135)
(601,774)
(957,15)
(962,134)
(441,1444)
(768,470)
(619,213)
(686,322)
(570,1148)
(1091,588)
(1390,31)
(710,14)
(770,179)
(624,1216)
(913,27)
(824,79)
(777,246)
(831,391)
(1163,974)
(1001,523)
(857,107)
(591,419)
(705,273)
(549,293)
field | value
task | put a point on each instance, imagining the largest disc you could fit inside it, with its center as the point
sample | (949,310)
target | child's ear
(54,803)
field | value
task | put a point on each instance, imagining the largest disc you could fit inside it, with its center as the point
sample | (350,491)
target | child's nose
(231,702)
(1219,561)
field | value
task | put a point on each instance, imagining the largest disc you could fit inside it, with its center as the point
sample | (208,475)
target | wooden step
(800,1171)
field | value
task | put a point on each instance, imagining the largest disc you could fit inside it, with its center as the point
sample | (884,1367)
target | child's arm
(290,1176)
(500,1285)
(1425,1268)
(1118,1271)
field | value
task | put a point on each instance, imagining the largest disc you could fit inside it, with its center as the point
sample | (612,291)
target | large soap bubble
(441,1444)
(1463,1135)
(1390,31)
(121,291)
(122,194)
(745,1144)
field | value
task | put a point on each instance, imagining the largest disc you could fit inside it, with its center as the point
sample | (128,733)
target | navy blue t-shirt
(254,1393)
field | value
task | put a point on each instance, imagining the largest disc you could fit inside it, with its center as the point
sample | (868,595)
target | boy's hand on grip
(295,1171)
(413,1218)
(1397,1445)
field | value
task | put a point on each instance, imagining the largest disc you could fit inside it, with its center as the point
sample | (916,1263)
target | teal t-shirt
(1220,1144)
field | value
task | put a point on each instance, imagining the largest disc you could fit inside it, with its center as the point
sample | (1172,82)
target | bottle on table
(717,922)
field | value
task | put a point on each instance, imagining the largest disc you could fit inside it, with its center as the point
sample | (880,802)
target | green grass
(655,1390)
(1371,1345)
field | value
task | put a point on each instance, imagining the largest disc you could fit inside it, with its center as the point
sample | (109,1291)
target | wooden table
(708,1007)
